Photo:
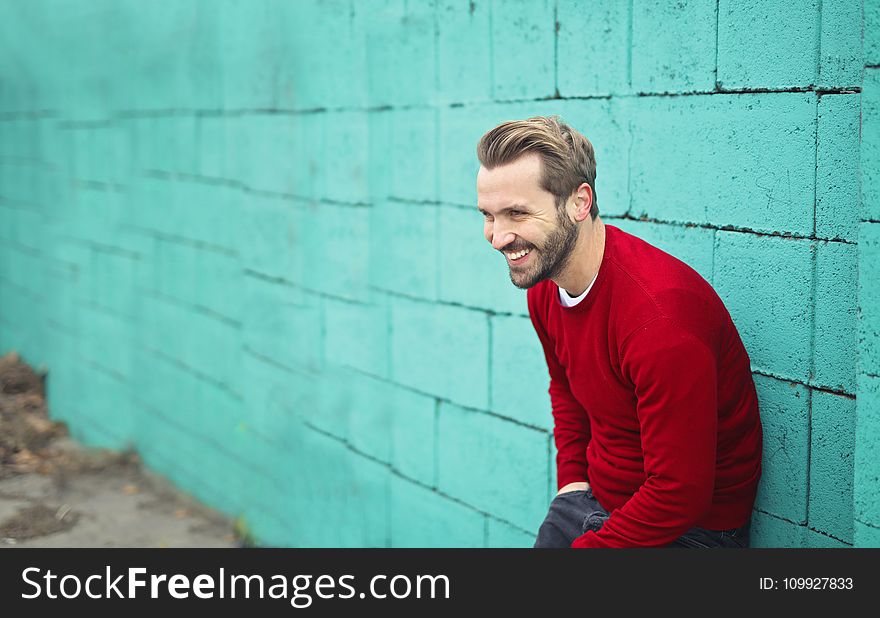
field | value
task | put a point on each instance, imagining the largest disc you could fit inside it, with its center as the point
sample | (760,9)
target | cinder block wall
(242,238)
(867,447)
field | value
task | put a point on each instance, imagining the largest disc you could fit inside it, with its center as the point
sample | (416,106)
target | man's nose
(501,238)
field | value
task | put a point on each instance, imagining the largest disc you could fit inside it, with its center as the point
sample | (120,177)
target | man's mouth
(517,257)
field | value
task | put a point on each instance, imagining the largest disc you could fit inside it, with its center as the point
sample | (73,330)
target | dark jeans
(573,513)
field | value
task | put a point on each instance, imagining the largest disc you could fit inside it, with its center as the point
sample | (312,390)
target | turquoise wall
(242,238)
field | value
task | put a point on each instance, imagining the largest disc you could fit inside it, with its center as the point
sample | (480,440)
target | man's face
(521,216)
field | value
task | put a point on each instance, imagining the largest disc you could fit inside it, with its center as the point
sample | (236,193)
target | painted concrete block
(767,44)
(766,285)
(673,46)
(412,150)
(522,49)
(593,47)
(186,213)
(822,541)
(749,162)
(335,249)
(768,531)
(413,436)
(870,145)
(832,441)
(372,402)
(473,273)
(836,316)
(271,234)
(380,124)
(320,70)
(357,335)
(172,144)
(250,75)
(478,452)
(262,151)
(837,167)
(345,502)
(347,147)
(283,324)
(214,141)
(275,400)
(313,166)
(871,32)
(695,246)
(520,380)
(198,276)
(866,535)
(404,248)
(464,63)
(106,339)
(441,350)
(785,418)
(421,517)
(400,53)
(840,59)
(869,298)
(336,402)
(866,491)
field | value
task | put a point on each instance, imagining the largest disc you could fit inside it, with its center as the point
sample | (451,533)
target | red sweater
(652,396)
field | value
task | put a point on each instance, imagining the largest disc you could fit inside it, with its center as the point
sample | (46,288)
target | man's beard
(552,257)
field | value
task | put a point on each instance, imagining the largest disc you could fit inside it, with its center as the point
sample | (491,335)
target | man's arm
(571,425)
(674,374)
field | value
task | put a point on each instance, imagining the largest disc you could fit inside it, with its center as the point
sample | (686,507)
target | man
(655,413)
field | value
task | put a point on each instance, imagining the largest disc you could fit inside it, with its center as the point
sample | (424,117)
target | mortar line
(556,47)
(446,303)
(728,228)
(816,164)
(818,42)
(491,40)
(440,399)
(717,35)
(195,307)
(206,440)
(173,360)
(489,390)
(823,389)
(807,526)
(485,531)
(134,114)
(435,454)
(417,482)
(629,43)
(119,377)
(867,524)
(809,451)
(278,365)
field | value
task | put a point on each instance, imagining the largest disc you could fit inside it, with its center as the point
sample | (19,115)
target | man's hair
(567,157)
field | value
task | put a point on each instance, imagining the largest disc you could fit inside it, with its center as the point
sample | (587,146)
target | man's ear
(583,202)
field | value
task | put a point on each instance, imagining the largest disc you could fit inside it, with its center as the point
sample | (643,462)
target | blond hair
(567,157)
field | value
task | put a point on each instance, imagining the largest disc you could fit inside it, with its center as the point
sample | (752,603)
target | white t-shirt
(571,301)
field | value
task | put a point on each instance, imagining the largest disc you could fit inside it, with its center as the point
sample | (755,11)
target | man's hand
(573,487)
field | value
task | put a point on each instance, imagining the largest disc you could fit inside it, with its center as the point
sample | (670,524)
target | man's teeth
(518,254)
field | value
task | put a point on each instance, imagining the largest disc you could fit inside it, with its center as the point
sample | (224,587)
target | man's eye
(516,213)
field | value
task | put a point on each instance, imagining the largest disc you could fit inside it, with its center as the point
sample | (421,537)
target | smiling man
(656,419)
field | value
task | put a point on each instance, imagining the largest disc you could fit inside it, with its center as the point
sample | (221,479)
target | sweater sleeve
(674,374)
(571,424)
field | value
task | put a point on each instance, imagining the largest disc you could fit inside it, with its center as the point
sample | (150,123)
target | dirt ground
(56,493)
